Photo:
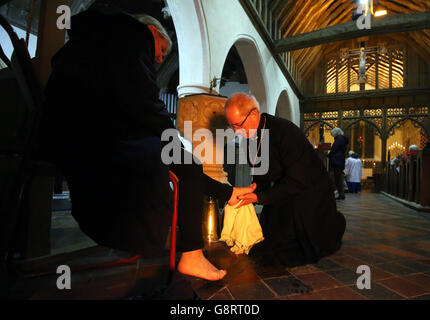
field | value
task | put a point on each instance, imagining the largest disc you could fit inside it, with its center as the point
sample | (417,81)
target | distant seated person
(396,162)
(300,220)
(102,128)
(412,151)
(353,172)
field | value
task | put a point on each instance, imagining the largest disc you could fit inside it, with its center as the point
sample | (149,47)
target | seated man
(102,128)
(299,220)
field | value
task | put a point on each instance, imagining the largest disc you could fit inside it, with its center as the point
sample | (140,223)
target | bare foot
(194,263)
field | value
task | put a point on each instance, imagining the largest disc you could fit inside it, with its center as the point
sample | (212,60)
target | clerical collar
(262,120)
(261,125)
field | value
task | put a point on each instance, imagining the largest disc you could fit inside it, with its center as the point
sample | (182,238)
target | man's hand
(247,199)
(234,199)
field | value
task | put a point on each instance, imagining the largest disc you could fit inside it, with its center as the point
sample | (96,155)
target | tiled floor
(66,235)
(393,240)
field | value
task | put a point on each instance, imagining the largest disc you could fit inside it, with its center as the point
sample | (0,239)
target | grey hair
(351,153)
(257,104)
(413,147)
(337,132)
(151,21)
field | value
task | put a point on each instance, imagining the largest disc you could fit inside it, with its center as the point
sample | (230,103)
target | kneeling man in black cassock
(300,220)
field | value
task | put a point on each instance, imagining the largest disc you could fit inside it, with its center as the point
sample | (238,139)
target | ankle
(193,253)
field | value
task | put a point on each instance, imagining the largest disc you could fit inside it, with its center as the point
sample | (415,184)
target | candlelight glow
(380,13)
(210,221)
(210,231)
(396,145)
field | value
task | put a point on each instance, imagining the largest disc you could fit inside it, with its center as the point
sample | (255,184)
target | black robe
(337,152)
(300,221)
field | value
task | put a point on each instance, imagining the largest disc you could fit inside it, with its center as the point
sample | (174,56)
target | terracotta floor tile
(370,258)
(379,274)
(426,261)
(404,287)
(305,296)
(388,256)
(303,269)
(246,276)
(398,251)
(222,295)
(345,276)
(326,264)
(396,268)
(343,293)
(348,262)
(251,291)
(420,279)
(270,271)
(415,265)
(378,292)
(424,297)
(100,292)
(240,272)
(319,281)
(425,245)
(353,250)
(284,286)
(206,289)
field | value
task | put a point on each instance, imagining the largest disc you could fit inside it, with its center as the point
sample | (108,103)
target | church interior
(359,65)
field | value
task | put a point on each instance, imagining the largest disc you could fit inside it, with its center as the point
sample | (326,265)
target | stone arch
(252,63)
(283,106)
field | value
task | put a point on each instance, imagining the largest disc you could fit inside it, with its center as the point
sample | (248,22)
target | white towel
(241,228)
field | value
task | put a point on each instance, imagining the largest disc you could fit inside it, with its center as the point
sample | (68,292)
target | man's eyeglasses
(237,126)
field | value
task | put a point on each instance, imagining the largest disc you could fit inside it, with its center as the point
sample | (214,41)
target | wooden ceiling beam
(417,47)
(385,25)
(311,67)
(289,14)
(311,15)
(315,23)
(340,13)
(298,18)
(277,6)
(399,9)
(284,11)
(308,58)
(420,37)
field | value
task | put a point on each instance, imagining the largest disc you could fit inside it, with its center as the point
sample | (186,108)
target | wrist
(259,197)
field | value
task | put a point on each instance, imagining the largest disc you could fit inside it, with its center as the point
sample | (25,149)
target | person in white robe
(353,172)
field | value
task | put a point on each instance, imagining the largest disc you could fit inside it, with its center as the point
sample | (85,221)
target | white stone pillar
(193,46)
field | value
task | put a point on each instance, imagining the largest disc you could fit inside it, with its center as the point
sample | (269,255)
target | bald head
(241,104)
(242,112)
